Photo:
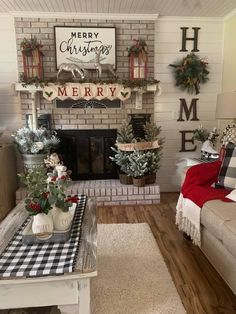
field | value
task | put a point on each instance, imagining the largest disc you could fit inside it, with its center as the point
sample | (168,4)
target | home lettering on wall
(187,110)
(183,104)
(184,109)
(194,38)
(186,140)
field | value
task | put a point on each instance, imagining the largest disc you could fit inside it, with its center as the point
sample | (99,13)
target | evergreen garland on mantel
(135,83)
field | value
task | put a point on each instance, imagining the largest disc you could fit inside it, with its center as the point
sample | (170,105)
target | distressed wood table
(71,291)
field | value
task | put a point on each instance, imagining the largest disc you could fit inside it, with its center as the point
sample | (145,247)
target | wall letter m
(184,109)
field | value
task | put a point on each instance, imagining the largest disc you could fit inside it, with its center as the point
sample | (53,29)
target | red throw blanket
(197,185)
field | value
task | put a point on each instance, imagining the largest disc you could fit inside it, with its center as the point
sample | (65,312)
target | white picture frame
(78,45)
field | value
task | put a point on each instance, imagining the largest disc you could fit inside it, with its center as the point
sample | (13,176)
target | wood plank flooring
(200,287)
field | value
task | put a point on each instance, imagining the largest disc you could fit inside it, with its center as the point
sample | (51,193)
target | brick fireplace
(93,119)
(87,118)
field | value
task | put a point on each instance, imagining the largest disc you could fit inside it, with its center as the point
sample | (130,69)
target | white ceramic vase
(54,212)
(42,224)
(62,220)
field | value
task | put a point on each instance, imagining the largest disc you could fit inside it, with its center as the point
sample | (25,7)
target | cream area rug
(132,275)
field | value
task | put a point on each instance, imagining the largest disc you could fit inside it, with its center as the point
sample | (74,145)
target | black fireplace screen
(86,153)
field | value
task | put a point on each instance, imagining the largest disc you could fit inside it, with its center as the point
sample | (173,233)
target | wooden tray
(28,237)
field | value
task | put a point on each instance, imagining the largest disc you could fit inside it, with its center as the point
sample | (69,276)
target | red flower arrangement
(38,204)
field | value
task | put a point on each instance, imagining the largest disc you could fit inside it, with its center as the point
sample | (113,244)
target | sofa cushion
(215,213)
(229,236)
(232,195)
(227,175)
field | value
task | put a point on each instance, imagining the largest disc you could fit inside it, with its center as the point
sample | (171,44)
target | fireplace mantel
(35,90)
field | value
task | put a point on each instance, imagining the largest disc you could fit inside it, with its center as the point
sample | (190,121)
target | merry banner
(86,91)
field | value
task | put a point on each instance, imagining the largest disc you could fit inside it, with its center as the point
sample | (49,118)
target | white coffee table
(70,292)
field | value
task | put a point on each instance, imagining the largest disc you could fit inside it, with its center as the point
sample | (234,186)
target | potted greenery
(34,145)
(138,167)
(152,133)
(37,202)
(152,154)
(124,135)
(122,161)
(153,159)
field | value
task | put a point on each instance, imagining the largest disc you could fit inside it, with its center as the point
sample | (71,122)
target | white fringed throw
(188,216)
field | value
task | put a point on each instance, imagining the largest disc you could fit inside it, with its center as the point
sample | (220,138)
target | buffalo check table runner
(42,259)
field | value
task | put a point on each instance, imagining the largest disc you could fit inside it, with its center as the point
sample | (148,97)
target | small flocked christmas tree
(121,159)
(138,163)
(152,133)
(153,158)
(125,133)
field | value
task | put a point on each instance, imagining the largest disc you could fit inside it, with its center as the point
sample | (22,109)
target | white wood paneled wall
(168,42)
(10,117)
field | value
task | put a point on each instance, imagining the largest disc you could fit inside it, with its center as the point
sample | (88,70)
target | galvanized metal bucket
(33,161)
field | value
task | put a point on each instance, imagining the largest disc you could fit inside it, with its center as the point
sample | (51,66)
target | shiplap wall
(168,40)
(10,117)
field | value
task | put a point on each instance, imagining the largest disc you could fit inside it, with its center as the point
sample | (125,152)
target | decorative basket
(150,178)
(125,179)
(139,182)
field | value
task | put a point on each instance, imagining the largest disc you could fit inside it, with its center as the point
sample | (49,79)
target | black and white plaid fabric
(227,175)
(19,260)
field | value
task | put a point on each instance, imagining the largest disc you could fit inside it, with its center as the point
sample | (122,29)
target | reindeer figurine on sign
(73,68)
(103,67)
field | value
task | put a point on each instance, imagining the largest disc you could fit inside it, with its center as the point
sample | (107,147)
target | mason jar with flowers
(34,145)
(37,202)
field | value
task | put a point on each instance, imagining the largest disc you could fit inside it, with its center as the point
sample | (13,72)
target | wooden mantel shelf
(33,90)
(29,88)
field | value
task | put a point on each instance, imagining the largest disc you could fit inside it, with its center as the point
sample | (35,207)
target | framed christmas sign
(81,45)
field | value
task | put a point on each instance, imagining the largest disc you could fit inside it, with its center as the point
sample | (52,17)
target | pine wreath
(190,72)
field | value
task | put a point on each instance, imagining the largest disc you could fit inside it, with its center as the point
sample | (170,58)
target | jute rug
(132,275)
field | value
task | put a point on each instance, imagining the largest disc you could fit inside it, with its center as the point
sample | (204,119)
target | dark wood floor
(200,287)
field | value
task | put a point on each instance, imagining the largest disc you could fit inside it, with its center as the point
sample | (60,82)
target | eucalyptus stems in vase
(37,202)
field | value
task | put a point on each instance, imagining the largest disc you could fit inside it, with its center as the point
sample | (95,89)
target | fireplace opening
(86,153)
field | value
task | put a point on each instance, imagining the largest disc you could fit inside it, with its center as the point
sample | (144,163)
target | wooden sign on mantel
(86,91)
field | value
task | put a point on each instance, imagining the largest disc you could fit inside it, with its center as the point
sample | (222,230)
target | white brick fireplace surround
(107,192)
(111,192)
(126,31)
